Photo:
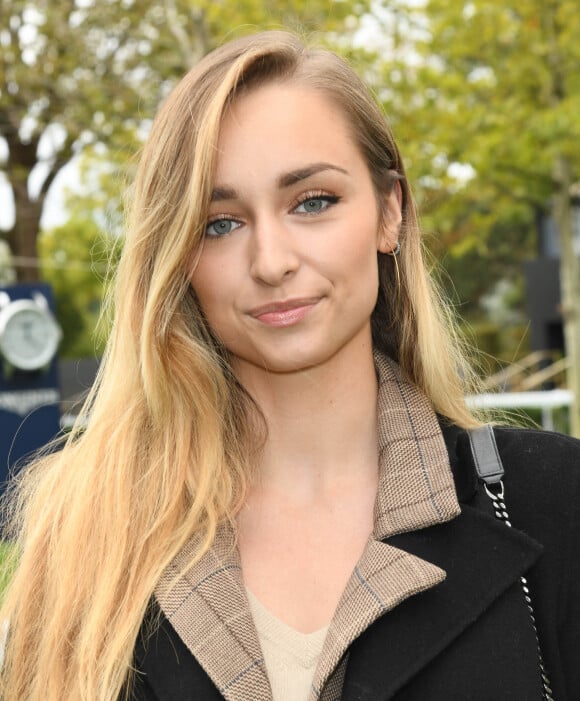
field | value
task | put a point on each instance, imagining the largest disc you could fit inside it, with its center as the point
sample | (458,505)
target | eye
(315,203)
(221,227)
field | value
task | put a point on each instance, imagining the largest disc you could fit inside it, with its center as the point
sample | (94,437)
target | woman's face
(288,274)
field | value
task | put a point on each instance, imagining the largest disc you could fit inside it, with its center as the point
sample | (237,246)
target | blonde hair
(170,435)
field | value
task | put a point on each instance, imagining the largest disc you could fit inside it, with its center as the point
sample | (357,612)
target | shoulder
(542,481)
(530,456)
(542,475)
(540,464)
(544,449)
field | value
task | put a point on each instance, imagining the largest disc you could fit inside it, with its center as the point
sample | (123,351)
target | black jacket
(470,637)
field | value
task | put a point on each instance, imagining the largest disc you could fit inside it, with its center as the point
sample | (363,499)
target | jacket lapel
(206,604)
(383,578)
(482,559)
(416,491)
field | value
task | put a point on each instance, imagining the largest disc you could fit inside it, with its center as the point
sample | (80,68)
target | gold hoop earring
(398,274)
(396,303)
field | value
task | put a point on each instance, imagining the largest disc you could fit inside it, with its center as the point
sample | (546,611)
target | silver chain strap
(497,498)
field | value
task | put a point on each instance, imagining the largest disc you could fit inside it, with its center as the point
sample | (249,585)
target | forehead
(284,123)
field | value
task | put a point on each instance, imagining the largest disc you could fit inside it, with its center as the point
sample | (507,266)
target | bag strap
(490,471)
(485,454)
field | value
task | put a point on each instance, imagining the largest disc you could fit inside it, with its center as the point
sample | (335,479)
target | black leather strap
(485,454)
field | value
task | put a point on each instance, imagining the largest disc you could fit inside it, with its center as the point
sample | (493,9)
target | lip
(284,313)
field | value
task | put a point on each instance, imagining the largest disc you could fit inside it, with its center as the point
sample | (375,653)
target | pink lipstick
(286,313)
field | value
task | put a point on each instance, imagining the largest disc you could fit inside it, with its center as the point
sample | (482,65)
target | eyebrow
(296,176)
(219,194)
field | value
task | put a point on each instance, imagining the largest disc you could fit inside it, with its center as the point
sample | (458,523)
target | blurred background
(484,100)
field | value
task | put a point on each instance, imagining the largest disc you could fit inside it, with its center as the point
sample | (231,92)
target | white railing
(545,401)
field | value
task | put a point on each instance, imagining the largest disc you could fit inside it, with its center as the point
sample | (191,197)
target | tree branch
(191,51)
(63,157)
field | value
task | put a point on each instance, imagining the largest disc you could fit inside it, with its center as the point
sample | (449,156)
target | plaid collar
(208,606)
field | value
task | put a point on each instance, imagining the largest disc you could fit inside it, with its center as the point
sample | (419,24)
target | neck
(321,422)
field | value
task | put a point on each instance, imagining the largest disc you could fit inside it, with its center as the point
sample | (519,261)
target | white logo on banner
(24,402)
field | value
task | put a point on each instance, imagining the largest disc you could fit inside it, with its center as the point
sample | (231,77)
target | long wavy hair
(168,436)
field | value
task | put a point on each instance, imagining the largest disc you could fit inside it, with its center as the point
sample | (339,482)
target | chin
(288,360)
(285,365)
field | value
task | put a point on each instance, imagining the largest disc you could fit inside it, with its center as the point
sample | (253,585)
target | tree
(75,73)
(494,96)
(76,259)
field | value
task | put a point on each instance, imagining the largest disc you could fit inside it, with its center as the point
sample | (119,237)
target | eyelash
(315,195)
(305,197)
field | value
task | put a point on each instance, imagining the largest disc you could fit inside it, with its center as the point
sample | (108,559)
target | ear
(391,220)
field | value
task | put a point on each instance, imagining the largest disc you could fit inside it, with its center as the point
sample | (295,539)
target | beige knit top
(290,657)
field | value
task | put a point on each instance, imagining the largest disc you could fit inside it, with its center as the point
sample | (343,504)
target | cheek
(361,268)
(218,291)
(359,250)
(219,273)
(203,280)
(209,270)
(198,282)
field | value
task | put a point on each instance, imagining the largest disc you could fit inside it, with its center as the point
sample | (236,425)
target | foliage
(76,258)
(8,556)
(75,73)
(484,102)
(511,92)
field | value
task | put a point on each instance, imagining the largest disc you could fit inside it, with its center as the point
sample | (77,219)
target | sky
(54,210)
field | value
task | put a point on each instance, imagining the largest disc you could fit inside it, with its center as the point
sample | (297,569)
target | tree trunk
(569,286)
(23,236)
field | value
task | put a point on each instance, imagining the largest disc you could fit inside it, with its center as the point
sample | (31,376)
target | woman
(274,496)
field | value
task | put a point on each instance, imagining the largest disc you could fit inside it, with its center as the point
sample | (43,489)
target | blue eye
(315,205)
(221,227)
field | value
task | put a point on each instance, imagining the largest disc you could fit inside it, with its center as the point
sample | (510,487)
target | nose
(273,256)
